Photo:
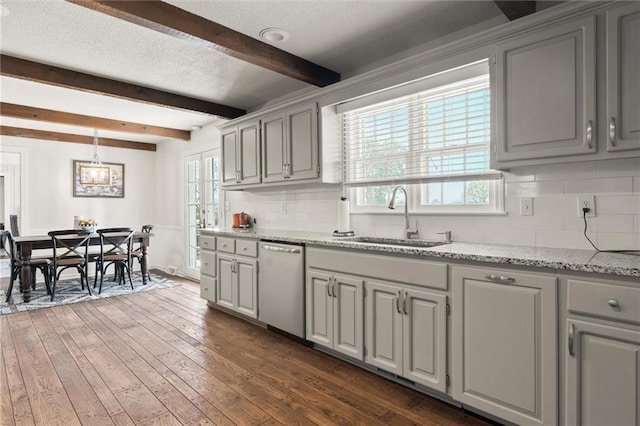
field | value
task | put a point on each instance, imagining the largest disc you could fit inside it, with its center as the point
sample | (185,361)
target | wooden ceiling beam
(168,19)
(73,138)
(48,74)
(52,116)
(516,9)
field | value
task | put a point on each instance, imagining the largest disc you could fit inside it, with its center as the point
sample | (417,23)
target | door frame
(200,156)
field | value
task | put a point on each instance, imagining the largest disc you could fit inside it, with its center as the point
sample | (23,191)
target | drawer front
(207,242)
(208,263)
(226,245)
(605,300)
(407,270)
(208,288)
(247,248)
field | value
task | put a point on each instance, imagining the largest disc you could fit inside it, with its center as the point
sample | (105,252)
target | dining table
(25,245)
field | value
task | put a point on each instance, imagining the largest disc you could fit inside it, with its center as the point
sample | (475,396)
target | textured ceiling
(345,36)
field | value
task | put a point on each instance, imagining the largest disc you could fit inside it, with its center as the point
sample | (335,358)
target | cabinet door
(249,155)
(603,375)
(425,338)
(348,328)
(384,322)
(319,303)
(224,291)
(623,83)
(302,146)
(273,147)
(504,331)
(208,288)
(545,95)
(229,157)
(246,289)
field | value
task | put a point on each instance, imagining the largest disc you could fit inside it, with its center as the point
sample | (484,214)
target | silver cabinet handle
(284,170)
(612,131)
(329,286)
(238,179)
(280,249)
(572,331)
(398,302)
(614,304)
(404,304)
(333,287)
(500,278)
(590,134)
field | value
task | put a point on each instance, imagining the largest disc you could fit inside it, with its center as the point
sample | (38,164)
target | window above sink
(433,137)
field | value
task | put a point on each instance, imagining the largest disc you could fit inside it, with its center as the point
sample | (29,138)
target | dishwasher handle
(281,249)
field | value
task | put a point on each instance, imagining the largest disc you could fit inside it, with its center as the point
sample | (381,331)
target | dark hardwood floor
(165,357)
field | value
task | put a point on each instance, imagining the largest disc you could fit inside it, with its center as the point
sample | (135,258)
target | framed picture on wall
(105,180)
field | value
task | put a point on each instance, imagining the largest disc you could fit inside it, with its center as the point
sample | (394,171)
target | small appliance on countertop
(241,221)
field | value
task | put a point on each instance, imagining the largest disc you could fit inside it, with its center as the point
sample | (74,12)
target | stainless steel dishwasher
(281,287)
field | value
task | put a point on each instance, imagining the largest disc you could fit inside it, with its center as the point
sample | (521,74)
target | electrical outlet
(227,206)
(526,206)
(587,201)
(284,208)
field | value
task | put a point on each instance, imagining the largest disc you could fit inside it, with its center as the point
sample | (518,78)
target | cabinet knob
(614,304)
(589,134)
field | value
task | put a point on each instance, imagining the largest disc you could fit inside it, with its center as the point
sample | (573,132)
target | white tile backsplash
(555,221)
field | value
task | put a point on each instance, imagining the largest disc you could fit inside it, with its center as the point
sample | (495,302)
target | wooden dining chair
(70,250)
(137,251)
(37,263)
(116,245)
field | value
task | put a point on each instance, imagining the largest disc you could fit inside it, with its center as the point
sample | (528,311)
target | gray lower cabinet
(603,375)
(237,287)
(334,312)
(602,353)
(208,267)
(405,332)
(504,343)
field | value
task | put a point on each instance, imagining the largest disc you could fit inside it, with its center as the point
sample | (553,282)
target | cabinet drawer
(208,288)
(605,300)
(247,248)
(207,242)
(208,263)
(227,245)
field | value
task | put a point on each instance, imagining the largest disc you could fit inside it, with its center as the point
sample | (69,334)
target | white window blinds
(440,134)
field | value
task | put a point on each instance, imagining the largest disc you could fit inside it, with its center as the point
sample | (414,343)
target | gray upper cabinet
(623,81)
(241,154)
(273,147)
(545,93)
(290,144)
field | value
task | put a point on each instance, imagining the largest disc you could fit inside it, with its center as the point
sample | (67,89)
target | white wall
(48,192)
(169,242)
(555,222)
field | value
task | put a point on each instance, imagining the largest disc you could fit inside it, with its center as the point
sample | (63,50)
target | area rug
(70,291)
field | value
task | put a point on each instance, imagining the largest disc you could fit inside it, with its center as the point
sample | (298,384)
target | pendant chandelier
(95,173)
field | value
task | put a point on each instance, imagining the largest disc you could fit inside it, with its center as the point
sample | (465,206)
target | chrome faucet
(392,205)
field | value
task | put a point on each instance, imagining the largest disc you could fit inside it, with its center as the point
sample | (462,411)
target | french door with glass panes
(203,203)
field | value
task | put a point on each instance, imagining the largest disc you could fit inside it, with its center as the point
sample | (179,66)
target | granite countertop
(617,264)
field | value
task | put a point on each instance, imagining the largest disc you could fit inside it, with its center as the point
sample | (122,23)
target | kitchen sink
(400,242)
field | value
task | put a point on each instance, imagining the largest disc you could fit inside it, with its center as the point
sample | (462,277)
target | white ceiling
(345,36)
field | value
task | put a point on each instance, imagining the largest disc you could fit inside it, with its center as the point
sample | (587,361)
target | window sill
(430,213)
